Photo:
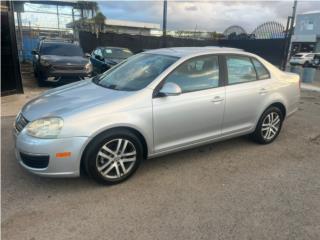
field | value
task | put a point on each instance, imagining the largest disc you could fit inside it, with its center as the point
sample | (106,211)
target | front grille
(35,161)
(67,67)
(21,122)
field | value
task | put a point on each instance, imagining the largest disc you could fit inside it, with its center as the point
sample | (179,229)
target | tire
(41,80)
(306,64)
(35,73)
(264,132)
(105,163)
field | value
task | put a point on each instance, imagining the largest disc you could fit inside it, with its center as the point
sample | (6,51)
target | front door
(195,115)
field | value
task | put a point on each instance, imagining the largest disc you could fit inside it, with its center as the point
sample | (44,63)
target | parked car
(303,59)
(56,60)
(103,58)
(154,103)
(315,62)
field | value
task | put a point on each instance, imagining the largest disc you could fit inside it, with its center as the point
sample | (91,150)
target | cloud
(206,15)
(191,8)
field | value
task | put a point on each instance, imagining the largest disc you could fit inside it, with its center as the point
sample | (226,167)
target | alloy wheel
(116,158)
(270,126)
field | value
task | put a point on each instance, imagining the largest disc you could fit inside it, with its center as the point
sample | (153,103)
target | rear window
(298,55)
(61,49)
(262,72)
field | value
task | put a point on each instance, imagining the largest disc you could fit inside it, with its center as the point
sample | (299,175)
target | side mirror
(100,58)
(170,89)
(34,52)
(87,55)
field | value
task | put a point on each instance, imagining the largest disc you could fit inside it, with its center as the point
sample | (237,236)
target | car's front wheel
(113,157)
(269,126)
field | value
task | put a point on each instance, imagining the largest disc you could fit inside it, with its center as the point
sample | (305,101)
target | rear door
(248,86)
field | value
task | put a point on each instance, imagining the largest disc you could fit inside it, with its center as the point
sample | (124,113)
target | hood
(70,99)
(65,60)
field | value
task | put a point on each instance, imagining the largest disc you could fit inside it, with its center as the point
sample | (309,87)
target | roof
(59,43)
(131,24)
(185,51)
(310,12)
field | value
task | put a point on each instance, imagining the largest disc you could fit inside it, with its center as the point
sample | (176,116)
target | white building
(306,36)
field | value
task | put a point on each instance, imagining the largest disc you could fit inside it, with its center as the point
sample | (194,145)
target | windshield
(116,53)
(61,49)
(135,73)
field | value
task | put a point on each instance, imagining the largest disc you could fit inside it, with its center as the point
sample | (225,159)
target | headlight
(88,67)
(45,127)
(44,62)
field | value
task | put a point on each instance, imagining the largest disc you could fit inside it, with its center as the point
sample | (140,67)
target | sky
(200,15)
(206,15)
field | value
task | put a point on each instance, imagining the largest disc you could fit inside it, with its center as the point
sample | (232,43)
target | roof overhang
(131,24)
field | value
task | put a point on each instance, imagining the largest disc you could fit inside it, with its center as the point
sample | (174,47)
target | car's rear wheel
(113,157)
(269,126)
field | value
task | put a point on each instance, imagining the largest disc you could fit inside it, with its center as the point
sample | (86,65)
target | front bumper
(56,74)
(57,167)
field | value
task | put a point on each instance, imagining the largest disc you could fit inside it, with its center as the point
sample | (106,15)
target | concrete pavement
(230,190)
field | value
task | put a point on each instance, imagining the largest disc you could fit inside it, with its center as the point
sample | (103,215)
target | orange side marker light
(63,155)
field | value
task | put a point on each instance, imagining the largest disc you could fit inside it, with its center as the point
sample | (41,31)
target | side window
(240,69)
(262,72)
(310,55)
(196,74)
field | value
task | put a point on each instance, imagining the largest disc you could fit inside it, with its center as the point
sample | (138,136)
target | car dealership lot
(230,190)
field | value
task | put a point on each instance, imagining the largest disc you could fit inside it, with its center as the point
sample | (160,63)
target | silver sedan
(154,103)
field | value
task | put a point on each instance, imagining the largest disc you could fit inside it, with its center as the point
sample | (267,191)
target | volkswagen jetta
(151,104)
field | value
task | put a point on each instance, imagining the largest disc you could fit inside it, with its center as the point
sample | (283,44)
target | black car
(103,58)
(56,61)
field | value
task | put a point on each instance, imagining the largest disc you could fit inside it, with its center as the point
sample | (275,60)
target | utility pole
(291,19)
(294,10)
(58,20)
(164,24)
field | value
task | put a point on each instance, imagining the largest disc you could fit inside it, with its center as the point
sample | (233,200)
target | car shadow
(13,173)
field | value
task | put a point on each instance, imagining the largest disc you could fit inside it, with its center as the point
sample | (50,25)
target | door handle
(217,99)
(263,91)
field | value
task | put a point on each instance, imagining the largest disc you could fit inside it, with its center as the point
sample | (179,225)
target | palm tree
(99,20)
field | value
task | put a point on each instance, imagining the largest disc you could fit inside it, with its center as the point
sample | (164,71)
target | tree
(99,20)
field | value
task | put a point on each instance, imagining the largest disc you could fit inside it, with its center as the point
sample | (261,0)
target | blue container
(297,69)
(29,43)
(309,75)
